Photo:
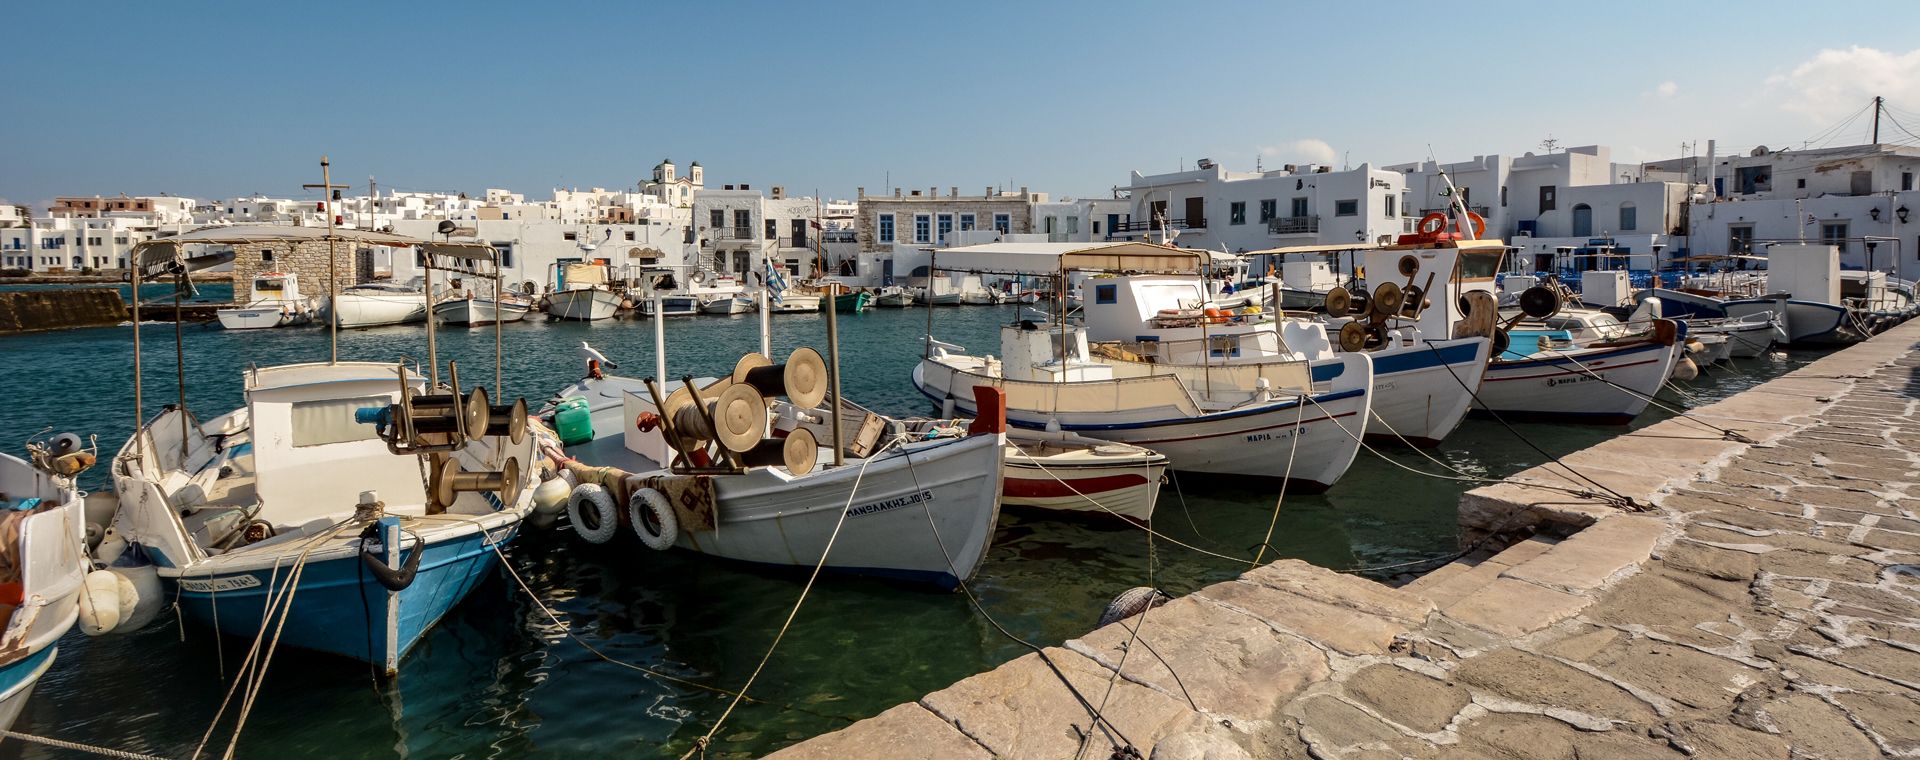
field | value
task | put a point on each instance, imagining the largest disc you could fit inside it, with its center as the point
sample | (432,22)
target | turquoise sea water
(498,679)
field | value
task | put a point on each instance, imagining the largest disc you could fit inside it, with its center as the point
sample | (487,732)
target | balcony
(1294,225)
(1122,228)
(717,235)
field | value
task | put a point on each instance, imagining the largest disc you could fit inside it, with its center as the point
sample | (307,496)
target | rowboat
(1067,472)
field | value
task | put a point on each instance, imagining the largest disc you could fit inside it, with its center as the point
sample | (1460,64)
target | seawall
(39,310)
(1743,581)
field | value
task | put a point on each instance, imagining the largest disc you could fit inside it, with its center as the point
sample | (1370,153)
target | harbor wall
(306,260)
(38,310)
(1737,582)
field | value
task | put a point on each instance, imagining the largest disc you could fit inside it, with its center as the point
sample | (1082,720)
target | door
(1582,220)
(1157,213)
(1196,212)
(799,233)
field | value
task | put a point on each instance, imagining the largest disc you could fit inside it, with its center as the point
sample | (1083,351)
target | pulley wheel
(1540,302)
(1353,336)
(1338,301)
(1361,303)
(740,416)
(1500,342)
(806,378)
(1416,301)
(801,451)
(1387,299)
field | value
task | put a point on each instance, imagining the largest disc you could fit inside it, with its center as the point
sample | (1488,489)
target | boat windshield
(274,285)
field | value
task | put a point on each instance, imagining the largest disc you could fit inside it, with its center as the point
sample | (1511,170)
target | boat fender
(1132,602)
(110,548)
(550,497)
(119,598)
(393,580)
(590,509)
(653,519)
(1685,369)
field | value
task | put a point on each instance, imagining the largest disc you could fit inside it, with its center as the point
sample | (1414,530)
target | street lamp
(1901,212)
(1874,212)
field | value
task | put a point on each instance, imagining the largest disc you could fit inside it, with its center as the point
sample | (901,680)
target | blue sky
(220,99)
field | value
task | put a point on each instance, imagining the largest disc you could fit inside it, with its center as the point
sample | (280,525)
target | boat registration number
(890,504)
(229,583)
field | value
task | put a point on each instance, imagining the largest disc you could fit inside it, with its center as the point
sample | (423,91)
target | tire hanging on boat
(590,509)
(652,519)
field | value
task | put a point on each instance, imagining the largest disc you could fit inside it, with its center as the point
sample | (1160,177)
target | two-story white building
(1213,208)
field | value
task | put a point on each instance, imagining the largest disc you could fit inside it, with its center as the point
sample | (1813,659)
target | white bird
(588,352)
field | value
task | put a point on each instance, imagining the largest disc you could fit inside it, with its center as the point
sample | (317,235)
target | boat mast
(833,354)
(327,195)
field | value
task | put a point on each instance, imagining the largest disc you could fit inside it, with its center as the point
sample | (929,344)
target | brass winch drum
(802,379)
(740,414)
(797,452)
(451,482)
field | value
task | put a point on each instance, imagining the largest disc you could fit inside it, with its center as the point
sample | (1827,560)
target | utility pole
(1878,104)
(330,192)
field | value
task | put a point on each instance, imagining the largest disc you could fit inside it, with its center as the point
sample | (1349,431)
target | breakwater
(39,310)
(1732,583)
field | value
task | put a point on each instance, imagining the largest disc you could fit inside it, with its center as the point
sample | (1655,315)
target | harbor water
(499,678)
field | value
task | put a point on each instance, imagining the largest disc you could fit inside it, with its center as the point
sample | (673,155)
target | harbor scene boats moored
(1252,424)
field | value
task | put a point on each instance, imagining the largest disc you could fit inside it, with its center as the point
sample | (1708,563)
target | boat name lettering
(890,504)
(229,583)
(1277,435)
(1555,381)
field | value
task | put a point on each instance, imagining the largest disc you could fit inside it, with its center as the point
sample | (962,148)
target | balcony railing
(718,234)
(1294,225)
(1151,225)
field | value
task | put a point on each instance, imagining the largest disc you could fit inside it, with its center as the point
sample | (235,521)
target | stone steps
(1456,581)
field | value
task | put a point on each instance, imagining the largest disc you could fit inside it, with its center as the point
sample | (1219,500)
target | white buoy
(110,548)
(550,497)
(100,603)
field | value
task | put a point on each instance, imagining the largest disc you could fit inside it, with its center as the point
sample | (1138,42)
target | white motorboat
(794,302)
(474,310)
(893,297)
(582,292)
(914,509)
(277,302)
(42,563)
(1747,337)
(375,304)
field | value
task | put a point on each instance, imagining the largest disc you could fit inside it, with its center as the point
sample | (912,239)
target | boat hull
(339,607)
(672,306)
(17,681)
(1422,393)
(1128,488)
(797,304)
(1745,339)
(1810,323)
(583,304)
(479,311)
(726,306)
(253,318)
(351,310)
(893,300)
(1568,386)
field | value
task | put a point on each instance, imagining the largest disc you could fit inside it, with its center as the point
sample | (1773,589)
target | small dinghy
(42,565)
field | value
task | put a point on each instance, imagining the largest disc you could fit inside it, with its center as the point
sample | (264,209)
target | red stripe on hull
(1049,488)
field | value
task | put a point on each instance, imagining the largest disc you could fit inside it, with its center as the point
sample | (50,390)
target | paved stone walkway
(1765,605)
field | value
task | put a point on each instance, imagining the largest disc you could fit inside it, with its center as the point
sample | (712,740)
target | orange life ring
(1433,223)
(1479,225)
(1214,316)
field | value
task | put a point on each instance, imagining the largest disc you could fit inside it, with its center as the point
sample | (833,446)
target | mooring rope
(78,746)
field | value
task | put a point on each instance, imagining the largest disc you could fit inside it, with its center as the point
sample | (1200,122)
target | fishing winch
(737,416)
(449,481)
(425,423)
(1389,300)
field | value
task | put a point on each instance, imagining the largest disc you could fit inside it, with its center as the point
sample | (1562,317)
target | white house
(1213,208)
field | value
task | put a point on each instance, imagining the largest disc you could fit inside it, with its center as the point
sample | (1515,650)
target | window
(266,255)
(922,228)
(946,227)
(506,254)
(1346,208)
(1046,225)
(1800,184)
(1834,233)
(629,236)
(1906,180)
(1106,294)
(317,423)
(93,241)
(1299,208)
(1406,208)
(1269,209)
(717,218)
(569,236)
(1753,179)
(1003,223)
(121,240)
(1388,201)
(1073,225)
(886,228)
(742,223)
(966,221)
(773,229)
(1549,198)
(1629,217)
(1740,238)
(1237,212)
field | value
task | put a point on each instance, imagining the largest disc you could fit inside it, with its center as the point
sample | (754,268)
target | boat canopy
(1054,258)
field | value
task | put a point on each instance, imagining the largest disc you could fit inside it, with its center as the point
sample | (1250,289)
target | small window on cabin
(267,286)
(1106,294)
(1479,266)
(325,421)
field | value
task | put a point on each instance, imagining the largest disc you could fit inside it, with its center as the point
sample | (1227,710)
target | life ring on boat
(652,518)
(1433,223)
(1478,223)
(590,509)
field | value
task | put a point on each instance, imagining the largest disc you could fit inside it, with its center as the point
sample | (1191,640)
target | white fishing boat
(376,304)
(893,297)
(475,310)
(277,302)
(1543,374)
(1708,349)
(1249,423)
(1747,337)
(796,302)
(1066,472)
(772,491)
(344,507)
(582,292)
(43,564)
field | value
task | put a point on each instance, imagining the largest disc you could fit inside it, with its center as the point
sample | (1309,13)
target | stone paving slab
(1765,605)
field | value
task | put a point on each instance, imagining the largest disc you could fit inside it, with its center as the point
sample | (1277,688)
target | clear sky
(218,99)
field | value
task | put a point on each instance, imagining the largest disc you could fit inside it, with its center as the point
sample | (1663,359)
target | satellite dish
(1759,151)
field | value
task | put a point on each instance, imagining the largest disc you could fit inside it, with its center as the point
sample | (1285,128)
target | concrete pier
(37,310)
(1742,582)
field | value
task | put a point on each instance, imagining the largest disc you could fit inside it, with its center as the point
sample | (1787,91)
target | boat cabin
(1448,269)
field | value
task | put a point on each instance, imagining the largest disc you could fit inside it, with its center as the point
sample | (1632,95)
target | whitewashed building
(1213,208)
(1082,220)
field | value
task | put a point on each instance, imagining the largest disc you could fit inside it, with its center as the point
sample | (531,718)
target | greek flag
(776,282)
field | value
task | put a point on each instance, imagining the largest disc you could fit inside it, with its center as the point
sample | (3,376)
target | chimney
(1713,169)
(896,192)
(859,192)
(988,193)
(1023,191)
(953,192)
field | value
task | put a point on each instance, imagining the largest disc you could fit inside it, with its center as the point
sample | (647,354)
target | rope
(700,745)
(1731,435)
(78,747)
(1299,415)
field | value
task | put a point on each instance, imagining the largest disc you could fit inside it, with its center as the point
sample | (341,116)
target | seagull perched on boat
(587,352)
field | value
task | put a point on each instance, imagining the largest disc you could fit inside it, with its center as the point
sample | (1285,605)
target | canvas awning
(1053,258)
